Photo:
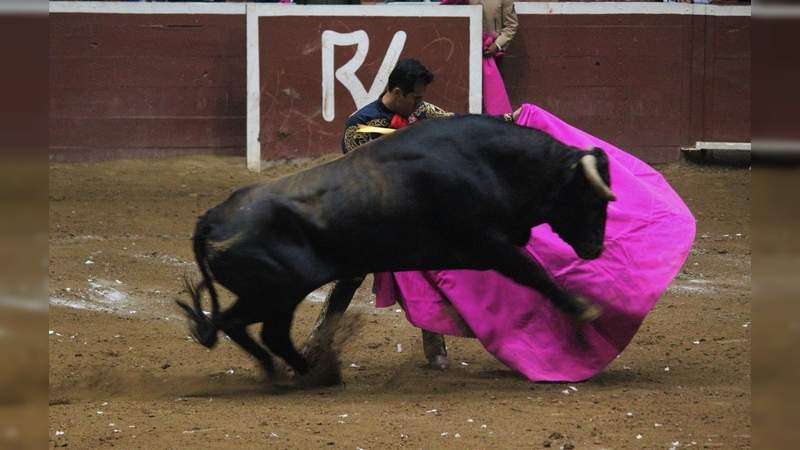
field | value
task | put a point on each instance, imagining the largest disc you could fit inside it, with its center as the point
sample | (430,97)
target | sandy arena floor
(124,374)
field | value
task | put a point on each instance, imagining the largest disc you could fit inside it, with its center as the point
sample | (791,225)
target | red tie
(398,122)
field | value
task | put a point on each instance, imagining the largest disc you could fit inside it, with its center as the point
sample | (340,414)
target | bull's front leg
(336,303)
(518,265)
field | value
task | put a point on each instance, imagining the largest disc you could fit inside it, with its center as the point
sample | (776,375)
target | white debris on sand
(399,348)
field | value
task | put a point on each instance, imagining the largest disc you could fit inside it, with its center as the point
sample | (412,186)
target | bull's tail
(202,327)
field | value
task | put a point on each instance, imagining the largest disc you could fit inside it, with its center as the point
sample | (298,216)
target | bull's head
(579,216)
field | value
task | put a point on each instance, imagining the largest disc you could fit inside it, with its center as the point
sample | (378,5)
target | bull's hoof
(276,376)
(324,368)
(319,378)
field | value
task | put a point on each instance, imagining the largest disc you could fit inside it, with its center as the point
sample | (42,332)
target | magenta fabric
(648,236)
(495,96)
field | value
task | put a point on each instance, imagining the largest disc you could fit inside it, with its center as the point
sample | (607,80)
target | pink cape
(649,233)
(495,97)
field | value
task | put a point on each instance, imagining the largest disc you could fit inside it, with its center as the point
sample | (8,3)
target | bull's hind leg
(275,334)
(233,322)
(240,335)
(516,264)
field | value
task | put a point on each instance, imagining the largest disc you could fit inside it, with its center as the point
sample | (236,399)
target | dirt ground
(123,372)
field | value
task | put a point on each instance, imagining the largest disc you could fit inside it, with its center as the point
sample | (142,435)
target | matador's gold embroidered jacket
(376,114)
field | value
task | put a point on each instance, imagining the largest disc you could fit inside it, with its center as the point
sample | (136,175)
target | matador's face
(406,104)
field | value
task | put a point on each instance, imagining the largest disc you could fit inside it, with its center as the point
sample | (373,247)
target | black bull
(454,193)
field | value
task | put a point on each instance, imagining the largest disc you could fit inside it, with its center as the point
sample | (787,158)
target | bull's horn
(589,164)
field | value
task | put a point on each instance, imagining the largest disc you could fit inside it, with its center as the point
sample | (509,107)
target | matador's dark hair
(407,73)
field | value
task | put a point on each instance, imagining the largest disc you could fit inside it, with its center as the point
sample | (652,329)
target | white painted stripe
(417,9)
(253,92)
(420,10)
(591,8)
(722,145)
(146,8)
(476,60)
(723,10)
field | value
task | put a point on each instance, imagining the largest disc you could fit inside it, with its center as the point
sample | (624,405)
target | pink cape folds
(649,233)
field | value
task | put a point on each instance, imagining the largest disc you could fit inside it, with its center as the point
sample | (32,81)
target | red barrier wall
(138,85)
(648,83)
(142,85)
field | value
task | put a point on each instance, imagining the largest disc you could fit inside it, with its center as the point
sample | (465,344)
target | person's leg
(435,350)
